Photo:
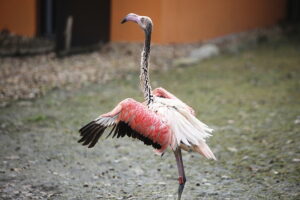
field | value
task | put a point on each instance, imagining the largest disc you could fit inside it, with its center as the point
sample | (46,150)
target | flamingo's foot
(181,186)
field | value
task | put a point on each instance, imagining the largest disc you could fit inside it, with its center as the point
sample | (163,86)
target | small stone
(245,158)
(253,168)
(232,149)
(296,160)
(12,157)
(230,121)
(225,177)
(138,171)
(16,192)
(297,121)
(3,125)
(15,169)
(85,185)
(289,141)
(205,51)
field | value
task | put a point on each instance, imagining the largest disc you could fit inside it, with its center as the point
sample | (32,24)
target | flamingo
(161,121)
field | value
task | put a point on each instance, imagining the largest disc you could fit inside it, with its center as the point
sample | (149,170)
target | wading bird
(161,121)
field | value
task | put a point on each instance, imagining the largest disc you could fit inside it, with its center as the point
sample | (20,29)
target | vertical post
(68,33)
(49,18)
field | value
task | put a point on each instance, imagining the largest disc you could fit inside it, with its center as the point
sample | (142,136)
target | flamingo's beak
(131,17)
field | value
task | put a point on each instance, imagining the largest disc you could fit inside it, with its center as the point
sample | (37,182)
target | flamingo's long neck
(144,74)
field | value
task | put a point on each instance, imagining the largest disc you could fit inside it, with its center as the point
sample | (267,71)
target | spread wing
(91,133)
(188,131)
(130,118)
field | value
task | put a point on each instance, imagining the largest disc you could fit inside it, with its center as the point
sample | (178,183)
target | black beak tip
(123,21)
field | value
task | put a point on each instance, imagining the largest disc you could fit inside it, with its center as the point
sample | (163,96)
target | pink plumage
(145,122)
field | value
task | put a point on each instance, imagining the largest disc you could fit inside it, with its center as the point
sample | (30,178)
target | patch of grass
(37,118)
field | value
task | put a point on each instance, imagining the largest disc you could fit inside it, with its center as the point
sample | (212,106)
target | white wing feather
(187,130)
(106,121)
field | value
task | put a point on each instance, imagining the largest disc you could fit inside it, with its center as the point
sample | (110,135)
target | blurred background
(64,62)
(73,25)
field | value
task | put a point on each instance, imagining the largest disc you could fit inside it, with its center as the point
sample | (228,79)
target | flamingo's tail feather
(204,150)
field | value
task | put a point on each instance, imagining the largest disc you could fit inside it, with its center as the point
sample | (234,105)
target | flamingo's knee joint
(181,180)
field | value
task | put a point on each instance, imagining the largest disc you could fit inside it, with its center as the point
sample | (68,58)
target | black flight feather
(92,132)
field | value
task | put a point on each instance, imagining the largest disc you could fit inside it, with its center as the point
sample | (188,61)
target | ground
(250,97)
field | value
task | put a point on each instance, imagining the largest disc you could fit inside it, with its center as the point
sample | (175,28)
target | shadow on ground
(251,99)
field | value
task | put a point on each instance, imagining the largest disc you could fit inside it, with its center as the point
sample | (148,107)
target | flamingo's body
(166,122)
(162,121)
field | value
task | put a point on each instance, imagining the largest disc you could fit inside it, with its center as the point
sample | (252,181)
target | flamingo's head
(143,21)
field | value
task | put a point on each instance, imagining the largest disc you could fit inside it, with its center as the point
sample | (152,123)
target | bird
(162,120)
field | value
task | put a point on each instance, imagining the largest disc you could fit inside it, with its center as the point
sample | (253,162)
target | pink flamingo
(161,121)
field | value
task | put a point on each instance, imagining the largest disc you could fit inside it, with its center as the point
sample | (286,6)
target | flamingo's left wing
(129,118)
(92,131)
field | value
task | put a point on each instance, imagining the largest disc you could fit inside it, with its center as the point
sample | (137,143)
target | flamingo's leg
(180,168)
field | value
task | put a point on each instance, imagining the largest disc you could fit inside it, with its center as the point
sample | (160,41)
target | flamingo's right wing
(161,92)
(130,118)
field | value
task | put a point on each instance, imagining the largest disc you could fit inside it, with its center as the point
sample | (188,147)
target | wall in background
(18,16)
(179,21)
(175,21)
